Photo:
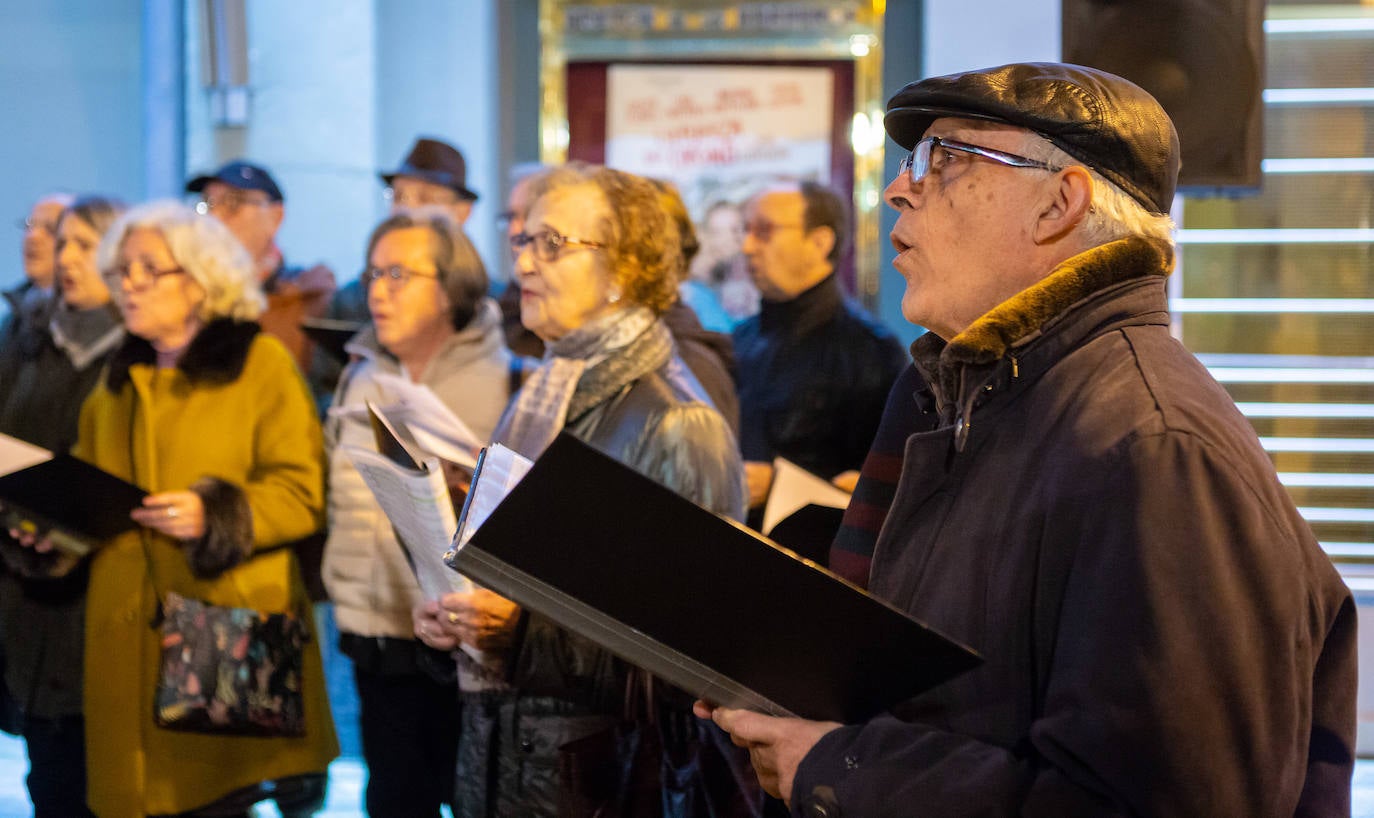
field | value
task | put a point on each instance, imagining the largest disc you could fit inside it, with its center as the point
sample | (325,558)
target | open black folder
(83,505)
(695,598)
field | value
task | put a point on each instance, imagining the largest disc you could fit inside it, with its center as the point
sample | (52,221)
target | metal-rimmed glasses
(395,276)
(29,223)
(147,277)
(548,244)
(920,161)
(229,203)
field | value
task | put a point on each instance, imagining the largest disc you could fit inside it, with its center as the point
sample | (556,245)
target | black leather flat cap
(1109,124)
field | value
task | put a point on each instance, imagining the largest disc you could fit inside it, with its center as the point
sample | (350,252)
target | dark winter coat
(566,687)
(1086,507)
(813,375)
(42,387)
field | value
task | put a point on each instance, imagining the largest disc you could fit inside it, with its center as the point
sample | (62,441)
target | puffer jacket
(1085,506)
(365,568)
(569,688)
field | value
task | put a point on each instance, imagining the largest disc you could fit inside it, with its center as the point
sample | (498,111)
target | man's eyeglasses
(229,204)
(762,229)
(548,244)
(411,198)
(147,277)
(29,223)
(394,276)
(923,157)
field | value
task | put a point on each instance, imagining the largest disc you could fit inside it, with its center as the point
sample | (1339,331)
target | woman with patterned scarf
(596,268)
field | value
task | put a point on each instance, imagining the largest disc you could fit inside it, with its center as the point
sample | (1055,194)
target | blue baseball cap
(241,175)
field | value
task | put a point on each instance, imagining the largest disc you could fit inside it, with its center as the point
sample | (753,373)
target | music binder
(82,505)
(695,598)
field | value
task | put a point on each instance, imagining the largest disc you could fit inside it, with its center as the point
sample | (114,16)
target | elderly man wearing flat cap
(1081,502)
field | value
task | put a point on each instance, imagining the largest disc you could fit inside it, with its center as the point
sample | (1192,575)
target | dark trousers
(57,766)
(410,742)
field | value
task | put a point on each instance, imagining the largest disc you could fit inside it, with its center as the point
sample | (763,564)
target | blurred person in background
(29,301)
(432,174)
(597,266)
(249,202)
(44,377)
(814,368)
(431,324)
(211,416)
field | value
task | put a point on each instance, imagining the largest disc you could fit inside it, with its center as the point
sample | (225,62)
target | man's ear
(1068,200)
(277,213)
(823,239)
(461,210)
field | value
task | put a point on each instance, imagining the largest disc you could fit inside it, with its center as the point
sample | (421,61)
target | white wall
(312,73)
(70,97)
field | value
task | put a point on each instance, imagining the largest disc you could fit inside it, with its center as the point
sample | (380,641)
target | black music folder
(695,598)
(331,335)
(83,505)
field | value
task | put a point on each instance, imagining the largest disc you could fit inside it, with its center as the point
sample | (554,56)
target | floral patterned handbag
(233,671)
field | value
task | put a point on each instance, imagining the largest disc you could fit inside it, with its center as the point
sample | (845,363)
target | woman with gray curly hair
(213,419)
(597,266)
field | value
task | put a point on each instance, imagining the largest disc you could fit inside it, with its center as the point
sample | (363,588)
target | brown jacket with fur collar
(1086,507)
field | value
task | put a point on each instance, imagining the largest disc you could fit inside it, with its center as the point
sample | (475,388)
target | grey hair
(1114,214)
(461,271)
(204,248)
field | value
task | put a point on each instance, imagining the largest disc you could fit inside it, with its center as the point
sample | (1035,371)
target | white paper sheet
(795,488)
(418,505)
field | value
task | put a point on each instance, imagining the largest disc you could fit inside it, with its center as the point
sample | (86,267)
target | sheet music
(418,505)
(501,469)
(795,488)
(423,408)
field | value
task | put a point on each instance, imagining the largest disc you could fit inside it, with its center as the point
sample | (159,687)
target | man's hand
(759,477)
(480,619)
(776,746)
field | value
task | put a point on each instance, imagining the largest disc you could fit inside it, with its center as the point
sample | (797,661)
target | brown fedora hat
(437,162)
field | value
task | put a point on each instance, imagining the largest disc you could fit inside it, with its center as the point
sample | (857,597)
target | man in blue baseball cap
(1080,501)
(249,202)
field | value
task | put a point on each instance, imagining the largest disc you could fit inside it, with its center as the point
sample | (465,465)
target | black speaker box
(1202,59)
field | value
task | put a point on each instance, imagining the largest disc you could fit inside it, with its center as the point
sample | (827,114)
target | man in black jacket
(813,369)
(1080,502)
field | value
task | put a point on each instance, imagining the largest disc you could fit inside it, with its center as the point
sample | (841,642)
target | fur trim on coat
(228,538)
(216,355)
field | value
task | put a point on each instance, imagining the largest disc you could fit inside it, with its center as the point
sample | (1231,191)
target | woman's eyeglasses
(548,244)
(394,276)
(146,277)
(920,161)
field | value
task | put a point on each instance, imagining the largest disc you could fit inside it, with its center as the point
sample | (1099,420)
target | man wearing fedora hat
(1081,502)
(434,173)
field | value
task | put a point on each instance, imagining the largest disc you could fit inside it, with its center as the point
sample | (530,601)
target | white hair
(1114,213)
(204,248)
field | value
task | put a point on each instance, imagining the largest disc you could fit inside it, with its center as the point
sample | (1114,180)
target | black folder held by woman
(695,598)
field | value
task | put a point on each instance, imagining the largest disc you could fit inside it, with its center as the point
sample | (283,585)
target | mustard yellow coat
(163,431)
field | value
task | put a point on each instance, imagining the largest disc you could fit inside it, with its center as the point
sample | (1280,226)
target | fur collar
(1036,308)
(215,356)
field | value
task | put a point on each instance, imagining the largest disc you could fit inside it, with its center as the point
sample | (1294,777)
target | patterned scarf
(581,370)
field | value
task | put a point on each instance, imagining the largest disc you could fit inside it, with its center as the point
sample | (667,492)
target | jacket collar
(1110,286)
(804,313)
(215,356)
(478,340)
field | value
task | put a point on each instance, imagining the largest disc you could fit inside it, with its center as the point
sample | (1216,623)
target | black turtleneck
(814,374)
